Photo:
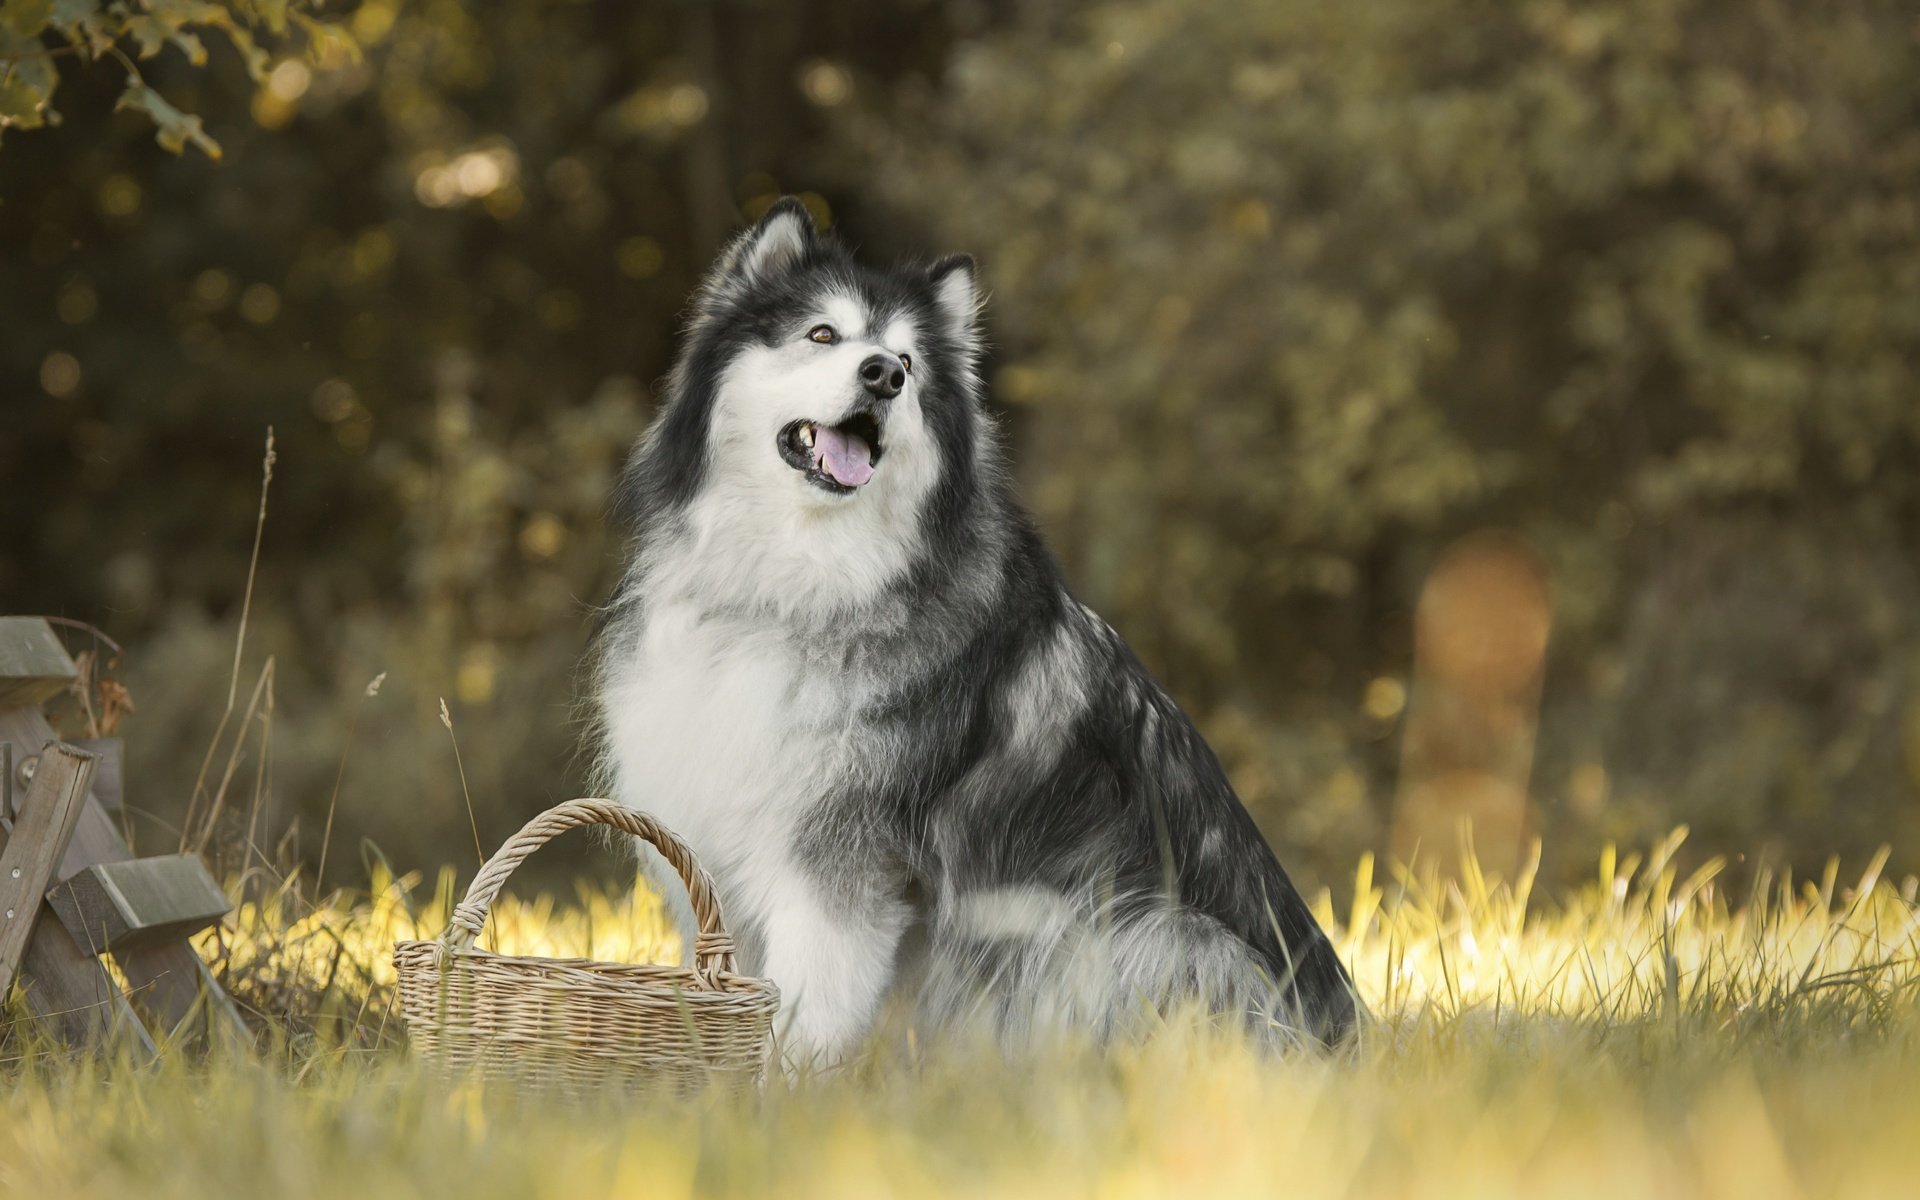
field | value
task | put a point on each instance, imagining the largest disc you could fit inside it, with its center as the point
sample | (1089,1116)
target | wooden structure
(71,889)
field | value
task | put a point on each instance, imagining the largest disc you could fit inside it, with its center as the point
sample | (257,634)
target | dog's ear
(777,243)
(956,296)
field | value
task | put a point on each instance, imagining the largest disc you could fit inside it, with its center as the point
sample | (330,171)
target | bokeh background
(1503,410)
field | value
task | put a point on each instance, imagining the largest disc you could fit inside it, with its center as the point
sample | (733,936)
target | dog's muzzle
(837,458)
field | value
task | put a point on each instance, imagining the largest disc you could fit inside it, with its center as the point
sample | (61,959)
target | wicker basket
(564,1025)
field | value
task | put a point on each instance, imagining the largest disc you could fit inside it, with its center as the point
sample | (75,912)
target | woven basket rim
(661,978)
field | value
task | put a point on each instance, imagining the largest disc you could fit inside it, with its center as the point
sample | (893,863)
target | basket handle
(713,951)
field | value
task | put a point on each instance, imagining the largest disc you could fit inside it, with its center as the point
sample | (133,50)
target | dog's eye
(823,334)
(906,363)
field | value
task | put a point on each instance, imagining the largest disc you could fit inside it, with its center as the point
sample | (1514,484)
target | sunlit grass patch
(1641,940)
(329,966)
(1641,1036)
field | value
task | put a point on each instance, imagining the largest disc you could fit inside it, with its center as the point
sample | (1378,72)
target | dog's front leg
(832,955)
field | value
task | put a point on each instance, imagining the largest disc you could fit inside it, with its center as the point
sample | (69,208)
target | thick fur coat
(844,667)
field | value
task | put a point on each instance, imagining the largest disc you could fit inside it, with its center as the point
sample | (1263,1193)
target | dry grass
(1640,1037)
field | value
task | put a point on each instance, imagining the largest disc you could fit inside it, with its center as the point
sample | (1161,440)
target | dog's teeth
(806,435)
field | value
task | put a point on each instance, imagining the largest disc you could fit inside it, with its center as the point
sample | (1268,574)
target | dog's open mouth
(838,458)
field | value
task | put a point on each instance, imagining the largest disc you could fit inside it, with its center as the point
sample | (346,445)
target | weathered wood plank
(70,994)
(34,666)
(168,980)
(141,902)
(26,729)
(109,771)
(34,847)
(66,989)
(176,989)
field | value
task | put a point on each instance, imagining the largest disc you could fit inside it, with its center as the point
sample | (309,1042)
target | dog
(843,666)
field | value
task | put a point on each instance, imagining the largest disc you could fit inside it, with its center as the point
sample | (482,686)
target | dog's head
(823,417)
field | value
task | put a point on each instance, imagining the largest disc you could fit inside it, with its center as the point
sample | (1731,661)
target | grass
(1642,1036)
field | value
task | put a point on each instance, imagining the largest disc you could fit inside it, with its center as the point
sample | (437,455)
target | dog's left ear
(956,295)
(776,244)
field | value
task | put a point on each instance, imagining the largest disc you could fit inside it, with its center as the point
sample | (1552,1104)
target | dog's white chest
(725,732)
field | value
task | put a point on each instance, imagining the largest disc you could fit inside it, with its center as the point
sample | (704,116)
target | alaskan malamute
(845,668)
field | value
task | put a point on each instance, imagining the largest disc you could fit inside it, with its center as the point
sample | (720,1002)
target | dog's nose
(883,375)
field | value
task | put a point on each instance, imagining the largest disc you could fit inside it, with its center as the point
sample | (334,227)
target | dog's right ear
(956,295)
(777,243)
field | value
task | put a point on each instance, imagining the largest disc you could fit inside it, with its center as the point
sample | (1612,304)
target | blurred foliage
(444,269)
(1291,295)
(34,32)
(1288,295)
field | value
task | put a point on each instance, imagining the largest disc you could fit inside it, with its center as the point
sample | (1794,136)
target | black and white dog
(843,666)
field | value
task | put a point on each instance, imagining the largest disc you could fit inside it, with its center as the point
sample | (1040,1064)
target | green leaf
(27,80)
(87,26)
(326,36)
(255,58)
(178,13)
(191,46)
(155,34)
(149,32)
(25,18)
(174,128)
(20,106)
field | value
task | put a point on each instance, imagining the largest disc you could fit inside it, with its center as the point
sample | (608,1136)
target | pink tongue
(845,457)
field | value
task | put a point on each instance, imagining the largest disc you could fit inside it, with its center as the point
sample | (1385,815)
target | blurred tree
(1293,293)
(444,269)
